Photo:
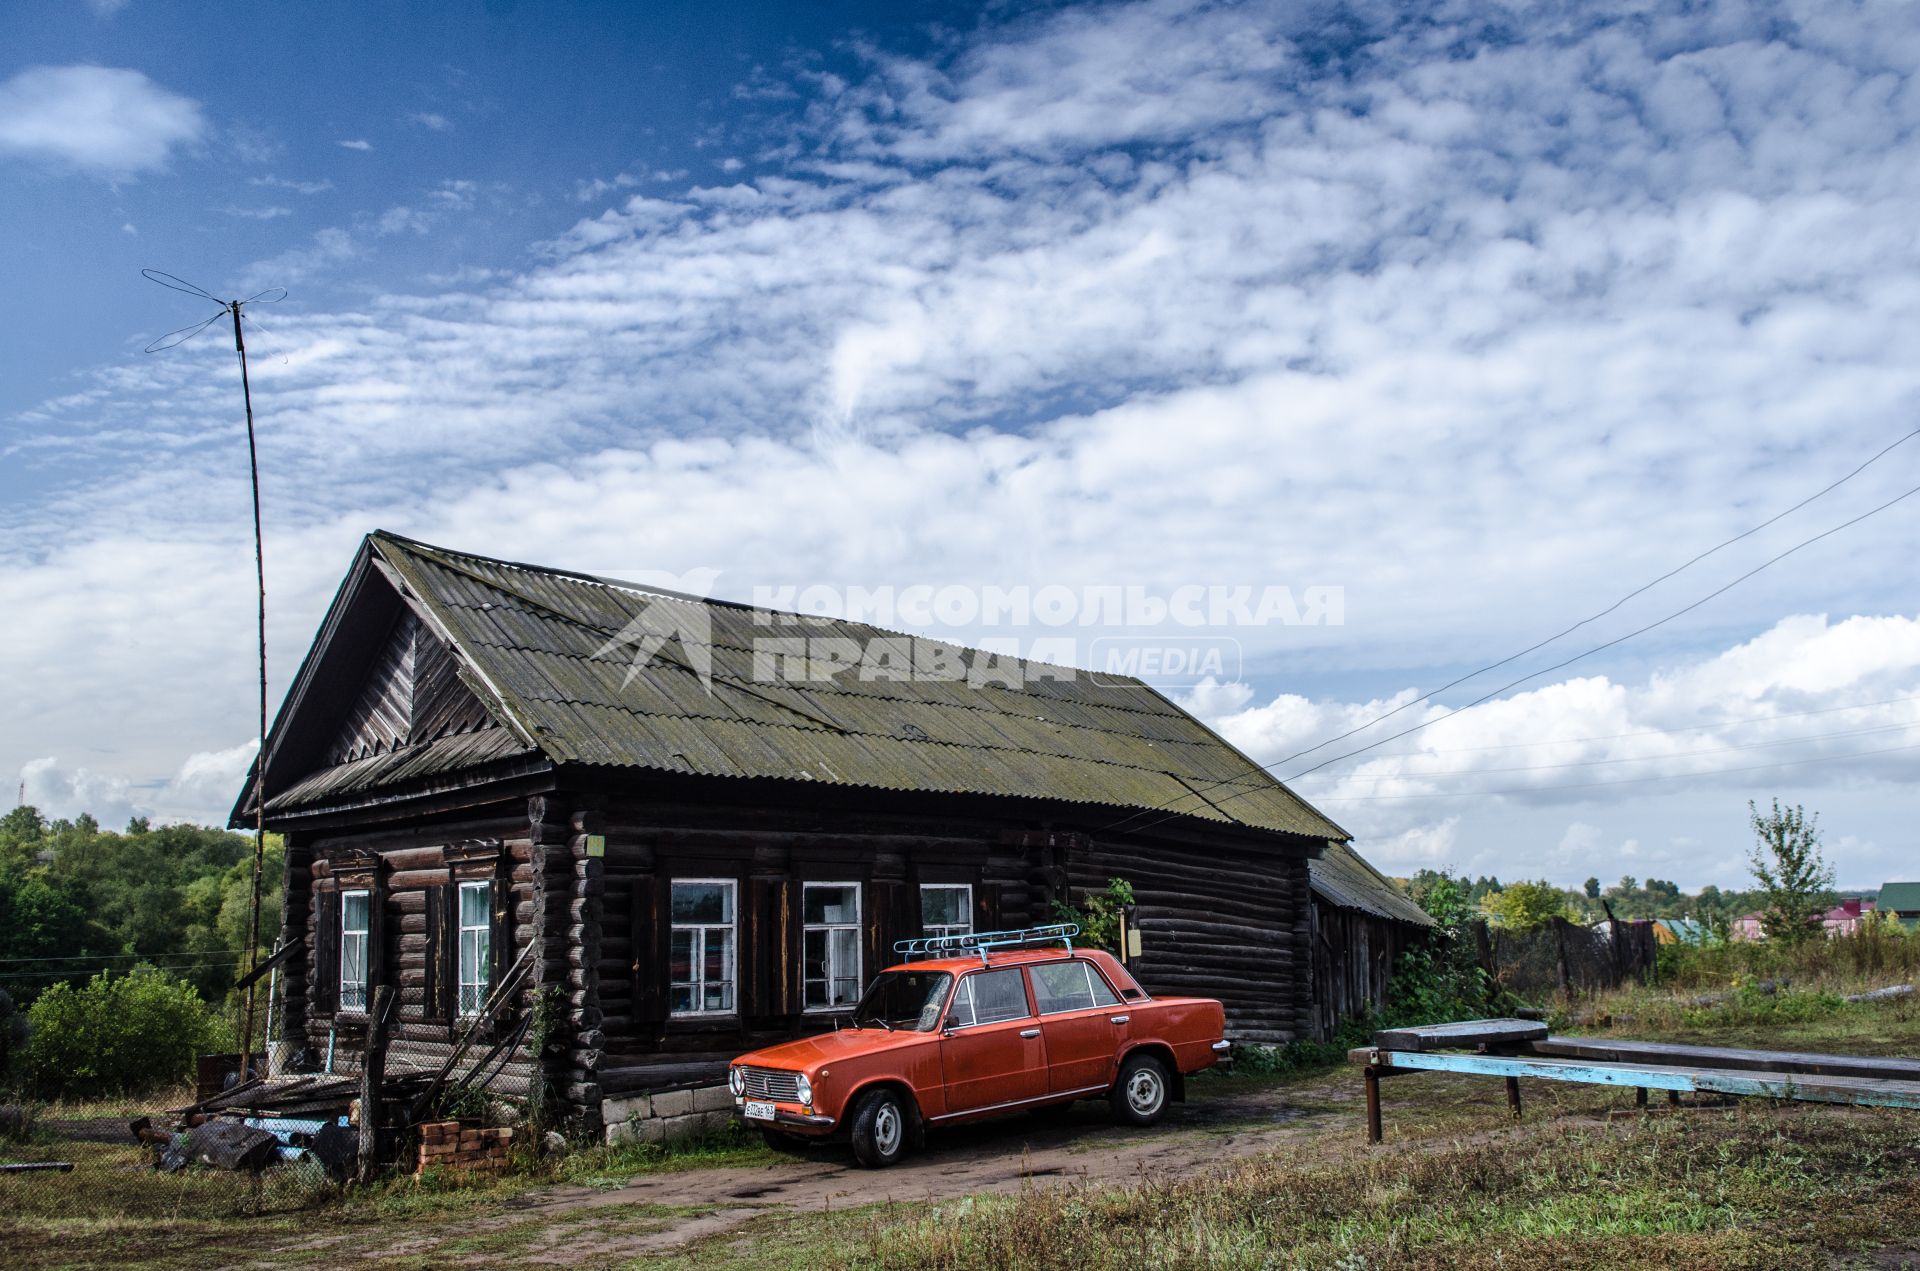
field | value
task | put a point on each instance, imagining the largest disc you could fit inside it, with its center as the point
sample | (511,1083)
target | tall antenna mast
(170,340)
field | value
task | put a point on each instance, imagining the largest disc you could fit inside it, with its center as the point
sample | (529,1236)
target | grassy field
(1580,1181)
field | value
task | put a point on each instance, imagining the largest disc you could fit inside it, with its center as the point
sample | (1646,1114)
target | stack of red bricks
(451,1145)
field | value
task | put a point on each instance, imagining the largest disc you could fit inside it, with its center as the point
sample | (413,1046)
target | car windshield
(909,1000)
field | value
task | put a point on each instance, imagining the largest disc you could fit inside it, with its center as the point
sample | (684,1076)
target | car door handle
(1029,1032)
(1119,1019)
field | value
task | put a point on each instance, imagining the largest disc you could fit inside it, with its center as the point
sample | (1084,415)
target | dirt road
(1080,1144)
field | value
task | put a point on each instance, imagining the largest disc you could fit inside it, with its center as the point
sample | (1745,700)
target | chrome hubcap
(886,1129)
(1143,1091)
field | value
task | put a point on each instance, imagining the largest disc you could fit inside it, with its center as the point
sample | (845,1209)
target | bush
(116,1036)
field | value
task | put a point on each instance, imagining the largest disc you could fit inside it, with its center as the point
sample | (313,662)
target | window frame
(946,928)
(964,984)
(1093,975)
(364,987)
(698,964)
(460,929)
(857,926)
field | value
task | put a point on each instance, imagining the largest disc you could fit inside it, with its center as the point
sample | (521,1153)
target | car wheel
(882,1123)
(1140,1094)
(781,1141)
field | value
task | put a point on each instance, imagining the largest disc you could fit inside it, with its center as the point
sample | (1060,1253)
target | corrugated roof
(1901,898)
(555,653)
(1341,878)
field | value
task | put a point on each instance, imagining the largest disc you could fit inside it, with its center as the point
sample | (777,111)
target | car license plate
(757,1111)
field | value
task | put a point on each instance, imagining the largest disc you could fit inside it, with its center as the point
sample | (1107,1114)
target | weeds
(1756,1190)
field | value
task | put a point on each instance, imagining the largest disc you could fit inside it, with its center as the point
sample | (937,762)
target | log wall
(1216,922)
(582,878)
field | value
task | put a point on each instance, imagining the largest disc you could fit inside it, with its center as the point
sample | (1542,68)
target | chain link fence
(1565,958)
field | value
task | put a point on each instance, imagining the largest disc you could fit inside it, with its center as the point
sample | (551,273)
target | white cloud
(430,121)
(106,8)
(104,120)
(356,144)
(256,213)
(1186,294)
(297,187)
(202,790)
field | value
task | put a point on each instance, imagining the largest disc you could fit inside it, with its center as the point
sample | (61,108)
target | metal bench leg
(1513,1095)
(1640,1097)
(1373,1105)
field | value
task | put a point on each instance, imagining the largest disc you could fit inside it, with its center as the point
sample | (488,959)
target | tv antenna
(233,308)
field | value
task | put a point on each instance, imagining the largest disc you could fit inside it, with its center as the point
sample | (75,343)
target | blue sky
(1483,315)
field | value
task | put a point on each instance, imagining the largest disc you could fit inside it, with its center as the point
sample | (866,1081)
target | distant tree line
(1794,888)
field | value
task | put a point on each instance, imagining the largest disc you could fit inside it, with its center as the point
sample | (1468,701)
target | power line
(1652,732)
(1494,666)
(1683,754)
(125,957)
(1625,781)
(1202,791)
(1639,631)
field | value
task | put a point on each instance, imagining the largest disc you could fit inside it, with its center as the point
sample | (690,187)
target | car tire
(1142,1091)
(882,1127)
(788,1144)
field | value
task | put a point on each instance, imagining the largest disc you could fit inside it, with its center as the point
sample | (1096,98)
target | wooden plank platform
(1804,1087)
(1461,1036)
(1616,1051)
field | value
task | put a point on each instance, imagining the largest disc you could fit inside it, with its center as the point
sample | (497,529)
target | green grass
(1762,1189)
(604,1166)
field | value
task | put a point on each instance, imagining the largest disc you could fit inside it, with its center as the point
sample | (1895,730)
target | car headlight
(805,1088)
(737,1081)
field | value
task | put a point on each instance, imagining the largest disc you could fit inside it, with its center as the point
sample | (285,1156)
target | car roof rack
(984,942)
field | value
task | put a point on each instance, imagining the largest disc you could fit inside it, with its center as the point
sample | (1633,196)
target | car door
(991,1050)
(1082,1023)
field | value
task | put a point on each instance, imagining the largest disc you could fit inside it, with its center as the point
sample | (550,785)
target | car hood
(808,1053)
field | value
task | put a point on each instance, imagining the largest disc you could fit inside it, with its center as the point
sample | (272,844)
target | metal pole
(1373,1104)
(260,760)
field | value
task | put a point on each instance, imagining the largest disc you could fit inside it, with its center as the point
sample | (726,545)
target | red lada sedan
(985,1025)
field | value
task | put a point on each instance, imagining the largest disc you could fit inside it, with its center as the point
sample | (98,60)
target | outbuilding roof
(581,670)
(1341,878)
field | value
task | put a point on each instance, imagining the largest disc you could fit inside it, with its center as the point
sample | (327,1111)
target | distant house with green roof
(1679,931)
(1902,900)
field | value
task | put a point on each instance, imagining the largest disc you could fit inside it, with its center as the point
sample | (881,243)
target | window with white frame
(946,909)
(830,916)
(476,944)
(356,912)
(700,958)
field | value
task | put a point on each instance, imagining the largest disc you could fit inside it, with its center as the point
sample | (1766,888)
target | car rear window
(1069,986)
(989,997)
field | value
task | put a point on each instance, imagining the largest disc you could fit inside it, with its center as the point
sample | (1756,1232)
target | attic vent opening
(913,732)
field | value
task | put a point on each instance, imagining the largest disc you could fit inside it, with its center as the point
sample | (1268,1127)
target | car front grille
(771,1083)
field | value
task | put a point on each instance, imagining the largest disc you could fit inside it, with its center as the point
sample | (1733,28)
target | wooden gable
(411,695)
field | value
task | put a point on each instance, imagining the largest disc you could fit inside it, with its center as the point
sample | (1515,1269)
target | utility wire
(1651,732)
(1638,631)
(1624,781)
(1637,591)
(1202,791)
(1680,754)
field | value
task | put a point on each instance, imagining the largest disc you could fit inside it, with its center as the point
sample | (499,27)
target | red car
(986,1024)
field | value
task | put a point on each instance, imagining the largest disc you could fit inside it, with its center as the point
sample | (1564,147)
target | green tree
(1795,880)
(1524,906)
(1592,888)
(122,1034)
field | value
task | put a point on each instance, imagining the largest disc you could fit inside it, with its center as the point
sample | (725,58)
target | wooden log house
(705,825)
